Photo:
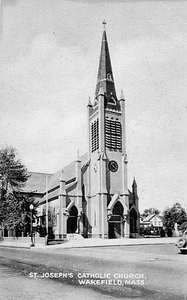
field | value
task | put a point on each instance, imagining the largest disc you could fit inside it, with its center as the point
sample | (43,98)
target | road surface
(121,272)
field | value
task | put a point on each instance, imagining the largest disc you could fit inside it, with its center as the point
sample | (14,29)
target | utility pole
(47,220)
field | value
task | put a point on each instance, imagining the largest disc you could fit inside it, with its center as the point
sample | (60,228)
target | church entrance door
(115,222)
(115,227)
(72,220)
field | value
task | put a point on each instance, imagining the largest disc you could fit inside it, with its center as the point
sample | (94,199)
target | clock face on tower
(113,166)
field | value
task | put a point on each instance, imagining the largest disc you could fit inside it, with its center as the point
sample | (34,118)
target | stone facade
(90,197)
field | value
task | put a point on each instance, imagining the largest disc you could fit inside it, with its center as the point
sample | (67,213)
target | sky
(49,60)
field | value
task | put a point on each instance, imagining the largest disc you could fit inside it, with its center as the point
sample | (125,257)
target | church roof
(69,175)
(36,182)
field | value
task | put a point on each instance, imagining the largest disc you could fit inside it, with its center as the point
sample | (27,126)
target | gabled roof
(36,182)
(150,217)
(69,174)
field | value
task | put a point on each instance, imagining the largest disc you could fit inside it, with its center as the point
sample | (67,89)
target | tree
(14,206)
(19,217)
(175,214)
(149,211)
(13,172)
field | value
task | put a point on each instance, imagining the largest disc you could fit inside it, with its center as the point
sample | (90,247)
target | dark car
(182,243)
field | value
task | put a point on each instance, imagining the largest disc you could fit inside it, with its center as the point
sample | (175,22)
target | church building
(90,197)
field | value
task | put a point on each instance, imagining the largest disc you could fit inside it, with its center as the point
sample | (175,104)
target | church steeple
(105,74)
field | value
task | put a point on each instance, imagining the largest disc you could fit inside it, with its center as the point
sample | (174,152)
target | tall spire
(105,75)
(134,184)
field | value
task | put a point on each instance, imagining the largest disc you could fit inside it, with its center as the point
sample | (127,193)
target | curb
(97,246)
(14,246)
(73,245)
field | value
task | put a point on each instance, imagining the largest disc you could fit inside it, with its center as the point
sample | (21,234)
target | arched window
(118,209)
(72,220)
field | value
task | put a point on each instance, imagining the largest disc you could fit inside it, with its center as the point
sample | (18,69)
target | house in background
(153,221)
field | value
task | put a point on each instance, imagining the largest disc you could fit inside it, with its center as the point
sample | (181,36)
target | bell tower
(107,192)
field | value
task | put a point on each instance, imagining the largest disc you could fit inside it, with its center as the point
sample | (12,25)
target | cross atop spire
(104,25)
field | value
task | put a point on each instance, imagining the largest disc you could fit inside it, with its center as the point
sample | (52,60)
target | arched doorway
(115,222)
(133,221)
(72,220)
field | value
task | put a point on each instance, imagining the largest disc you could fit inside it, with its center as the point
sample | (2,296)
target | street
(126,272)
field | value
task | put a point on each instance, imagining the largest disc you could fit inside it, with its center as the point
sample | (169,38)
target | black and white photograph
(93,149)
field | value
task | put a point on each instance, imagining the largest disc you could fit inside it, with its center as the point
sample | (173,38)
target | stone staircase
(74,236)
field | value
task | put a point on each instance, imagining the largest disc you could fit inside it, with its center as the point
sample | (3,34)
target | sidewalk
(21,242)
(14,244)
(84,243)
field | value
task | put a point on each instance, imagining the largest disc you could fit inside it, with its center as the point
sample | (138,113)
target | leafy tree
(175,214)
(13,172)
(149,211)
(14,206)
(19,217)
